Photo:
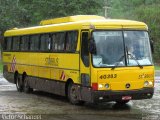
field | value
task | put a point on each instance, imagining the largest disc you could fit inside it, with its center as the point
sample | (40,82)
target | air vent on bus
(71,19)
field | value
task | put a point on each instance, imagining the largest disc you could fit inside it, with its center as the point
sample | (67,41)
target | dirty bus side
(86,58)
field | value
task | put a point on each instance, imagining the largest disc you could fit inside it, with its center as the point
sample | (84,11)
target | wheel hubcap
(73,93)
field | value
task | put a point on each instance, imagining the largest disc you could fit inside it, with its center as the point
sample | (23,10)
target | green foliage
(142,10)
(157,68)
(150,15)
(21,13)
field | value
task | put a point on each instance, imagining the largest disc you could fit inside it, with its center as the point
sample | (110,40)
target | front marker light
(146,83)
(107,86)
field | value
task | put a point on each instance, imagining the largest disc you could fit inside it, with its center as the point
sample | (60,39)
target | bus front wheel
(72,95)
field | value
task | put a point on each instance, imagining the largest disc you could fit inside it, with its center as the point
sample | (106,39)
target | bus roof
(75,18)
(75,23)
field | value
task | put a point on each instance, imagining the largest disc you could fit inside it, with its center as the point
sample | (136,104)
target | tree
(22,13)
(142,10)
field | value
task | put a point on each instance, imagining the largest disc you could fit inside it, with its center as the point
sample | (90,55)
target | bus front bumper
(106,96)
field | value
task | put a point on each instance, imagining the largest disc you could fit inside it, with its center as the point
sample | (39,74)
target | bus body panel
(118,78)
(44,65)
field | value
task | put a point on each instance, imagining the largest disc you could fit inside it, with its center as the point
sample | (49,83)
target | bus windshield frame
(121,48)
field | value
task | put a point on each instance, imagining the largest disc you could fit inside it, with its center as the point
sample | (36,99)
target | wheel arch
(16,74)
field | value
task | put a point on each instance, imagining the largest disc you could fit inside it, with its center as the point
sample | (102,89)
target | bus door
(85,64)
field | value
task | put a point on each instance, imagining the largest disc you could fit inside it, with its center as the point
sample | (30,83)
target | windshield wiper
(135,60)
(122,57)
(116,65)
(128,54)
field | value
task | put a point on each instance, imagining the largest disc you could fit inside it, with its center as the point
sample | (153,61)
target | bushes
(142,10)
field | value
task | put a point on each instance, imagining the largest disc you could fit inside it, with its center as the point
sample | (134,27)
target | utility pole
(106,7)
(17,3)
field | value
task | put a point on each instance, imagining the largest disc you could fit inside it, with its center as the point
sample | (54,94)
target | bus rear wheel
(19,84)
(72,95)
(27,88)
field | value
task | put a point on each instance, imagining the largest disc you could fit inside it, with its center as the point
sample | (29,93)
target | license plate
(126,97)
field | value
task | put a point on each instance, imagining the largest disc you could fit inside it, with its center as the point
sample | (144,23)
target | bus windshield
(121,48)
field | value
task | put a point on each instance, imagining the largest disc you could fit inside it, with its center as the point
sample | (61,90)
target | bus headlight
(107,86)
(150,83)
(100,86)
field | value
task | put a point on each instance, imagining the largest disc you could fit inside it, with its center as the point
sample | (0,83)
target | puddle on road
(7,87)
(151,106)
(45,103)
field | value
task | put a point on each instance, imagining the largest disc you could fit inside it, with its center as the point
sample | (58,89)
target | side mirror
(92,47)
(152,45)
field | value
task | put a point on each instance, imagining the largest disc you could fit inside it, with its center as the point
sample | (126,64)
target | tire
(19,83)
(72,96)
(122,102)
(27,88)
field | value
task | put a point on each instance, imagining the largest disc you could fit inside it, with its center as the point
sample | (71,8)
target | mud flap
(86,94)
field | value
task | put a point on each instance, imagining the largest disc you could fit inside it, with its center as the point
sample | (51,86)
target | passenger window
(71,41)
(45,44)
(8,43)
(16,43)
(54,45)
(59,41)
(34,43)
(24,45)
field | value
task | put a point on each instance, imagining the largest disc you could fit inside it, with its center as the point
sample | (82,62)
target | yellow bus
(86,57)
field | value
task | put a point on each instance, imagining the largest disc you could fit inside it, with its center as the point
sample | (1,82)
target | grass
(157,67)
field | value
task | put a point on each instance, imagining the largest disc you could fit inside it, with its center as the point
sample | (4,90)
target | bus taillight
(94,86)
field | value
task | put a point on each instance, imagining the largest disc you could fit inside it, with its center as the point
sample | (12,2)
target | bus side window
(24,43)
(16,43)
(7,43)
(60,40)
(71,41)
(84,49)
(34,43)
(45,43)
(53,42)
